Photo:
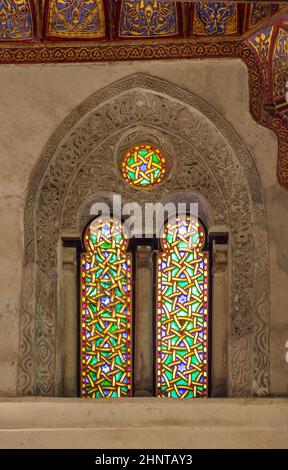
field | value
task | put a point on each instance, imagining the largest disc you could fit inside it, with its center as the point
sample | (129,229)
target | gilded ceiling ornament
(148,18)
(280,64)
(16,22)
(259,12)
(76,19)
(261,43)
(215,18)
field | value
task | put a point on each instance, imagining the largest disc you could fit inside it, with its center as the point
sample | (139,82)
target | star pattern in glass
(182,311)
(106,350)
(144,167)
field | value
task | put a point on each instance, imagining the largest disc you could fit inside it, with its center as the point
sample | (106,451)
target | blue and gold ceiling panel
(215,19)
(84,20)
(270,48)
(259,12)
(76,19)
(218,19)
(148,19)
(16,20)
(280,62)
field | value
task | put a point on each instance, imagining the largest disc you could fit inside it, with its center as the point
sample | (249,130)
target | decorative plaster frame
(78,162)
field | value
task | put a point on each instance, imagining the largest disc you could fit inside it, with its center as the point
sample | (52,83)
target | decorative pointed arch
(78,162)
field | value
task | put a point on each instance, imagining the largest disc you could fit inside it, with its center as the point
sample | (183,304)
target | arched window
(182,310)
(106,351)
(179,348)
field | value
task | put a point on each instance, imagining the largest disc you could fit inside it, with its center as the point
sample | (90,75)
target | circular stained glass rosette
(144,167)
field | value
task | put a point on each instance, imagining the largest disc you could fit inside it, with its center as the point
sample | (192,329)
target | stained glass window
(182,306)
(106,349)
(144,167)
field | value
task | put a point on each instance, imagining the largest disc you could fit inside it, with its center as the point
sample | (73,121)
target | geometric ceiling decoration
(148,19)
(258,12)
(82,20)
(16,20)
(228,18)
(270,48)
(280,63)
(42,31)
(76,19)
(151,19)
(215,19)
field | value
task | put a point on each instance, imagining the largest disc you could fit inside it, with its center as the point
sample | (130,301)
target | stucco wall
(141,423)
(33,102)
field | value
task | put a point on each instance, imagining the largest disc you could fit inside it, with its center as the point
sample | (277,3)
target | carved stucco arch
(79,161)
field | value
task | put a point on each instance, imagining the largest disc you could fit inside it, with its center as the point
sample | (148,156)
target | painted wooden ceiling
(263,26)
(98,20)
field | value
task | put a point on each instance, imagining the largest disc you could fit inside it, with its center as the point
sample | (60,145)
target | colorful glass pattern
(182,311)
(144,167)
(16,23)
(76,19)
(215,18)
(106,308)
(148,18)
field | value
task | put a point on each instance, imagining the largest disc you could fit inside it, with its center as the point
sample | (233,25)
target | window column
(219,320)
(143,324)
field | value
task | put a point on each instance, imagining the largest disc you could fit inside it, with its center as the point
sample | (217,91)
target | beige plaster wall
(35,99)
(107,424)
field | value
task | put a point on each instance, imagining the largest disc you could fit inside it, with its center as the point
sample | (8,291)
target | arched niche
(79,162)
